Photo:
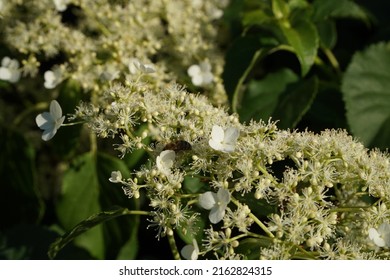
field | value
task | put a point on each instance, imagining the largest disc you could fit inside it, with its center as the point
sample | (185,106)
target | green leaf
(79,200)
(294,103)
(302,36)
(366,94)
(83,227)
(323,10)
(250,247)
(280,9)
(86,190)
(256,17)
(20,199)
(327,33)
(239,61)
(262,97)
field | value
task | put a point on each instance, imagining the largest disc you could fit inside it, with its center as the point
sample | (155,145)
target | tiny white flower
(380,237)
(165,161)
(135,66)
(216,203)
(116,177)
(190,251)
(51,121)
(52,78)
(61,5)
(201,74)
(9,70)
(224,140)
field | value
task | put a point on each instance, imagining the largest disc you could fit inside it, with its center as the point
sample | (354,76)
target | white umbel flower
(165,161)
(51,121)
(224,140)
(380,237)
(201,74)
(52,78)
(116,177)
(216,203)
(9,70)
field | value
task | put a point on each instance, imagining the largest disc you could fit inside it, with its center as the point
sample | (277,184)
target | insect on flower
(177,146)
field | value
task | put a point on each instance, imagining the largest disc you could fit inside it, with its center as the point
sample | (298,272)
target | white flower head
(52,78)
(51,121)
(165,161)
(136,66)
(201,74)
(224,140)
(216,203)
(116,177)
(380,237)
(61,5)
(9,70)
(190,251)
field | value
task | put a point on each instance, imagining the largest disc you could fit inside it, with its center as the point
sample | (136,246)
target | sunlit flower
(216,203)
(61,5)
(165,161)
(201,74)
(190,251)
(380,237)
(52,78)
(224,140)
(136,66)
(51,121)
(9,70)
(116,177)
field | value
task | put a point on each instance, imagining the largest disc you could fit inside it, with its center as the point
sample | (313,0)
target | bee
(177,146)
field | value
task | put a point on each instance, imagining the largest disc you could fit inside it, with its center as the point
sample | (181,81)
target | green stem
(332,59)
(172,244)
(255,219)
(242,79)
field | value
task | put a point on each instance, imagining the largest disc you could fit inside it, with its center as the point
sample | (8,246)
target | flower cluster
(311,208)
(115,40)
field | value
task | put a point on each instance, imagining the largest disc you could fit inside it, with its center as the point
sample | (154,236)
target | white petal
(216,214)
(48,134)
(227,148)
(116,176)
(165,161)
(15,76)
(384,230)
(44,121)
(197,80)
(5,74)
(193,70)
(59,122)
(207,200)
(189,252)
(376,238)
(217,133)
(5,61)
(231,135)
(205,66)
(223,196)
(55,110)
(207,78)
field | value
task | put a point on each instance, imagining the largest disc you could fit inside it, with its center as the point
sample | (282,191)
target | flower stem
(172,244)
